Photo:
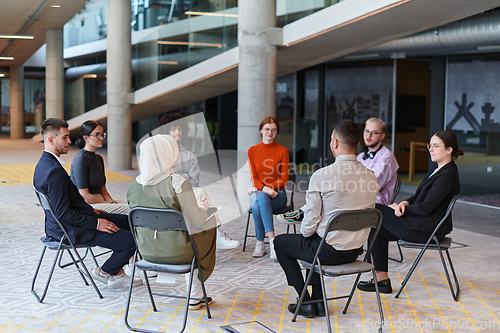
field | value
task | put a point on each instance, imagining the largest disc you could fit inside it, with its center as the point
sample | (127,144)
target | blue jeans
(262,210)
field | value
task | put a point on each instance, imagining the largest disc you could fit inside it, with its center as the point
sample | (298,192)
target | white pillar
(256,77)
(119,85)
(17,102)
(54,74)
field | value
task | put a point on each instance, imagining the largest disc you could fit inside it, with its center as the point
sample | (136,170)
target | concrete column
(54,74)
(119,85)
(17,102)
(256,78)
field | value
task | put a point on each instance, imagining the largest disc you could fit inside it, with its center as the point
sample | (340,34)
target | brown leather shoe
(384,286)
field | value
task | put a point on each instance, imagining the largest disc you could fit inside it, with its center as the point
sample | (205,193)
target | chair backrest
(45,203)
(156,219)
(161,220)
(448,212)
(353,220)
(397,187)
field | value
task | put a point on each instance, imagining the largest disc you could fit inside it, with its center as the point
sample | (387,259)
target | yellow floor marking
(433,300)
(230,309)
(412,309)
(361,310)
(280,327)
(486,305)
(197,320)
(335,306)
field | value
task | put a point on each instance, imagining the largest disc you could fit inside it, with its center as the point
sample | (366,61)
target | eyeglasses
(99,135)
(272,130)
(435,146)
(367,132)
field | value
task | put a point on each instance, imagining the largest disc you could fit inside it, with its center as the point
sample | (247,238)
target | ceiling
(31,17)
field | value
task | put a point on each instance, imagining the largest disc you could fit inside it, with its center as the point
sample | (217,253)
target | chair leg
(454,291)
(76,266)
(378,300)
(246,232)
(204,294)
(85,272)
(304,291)
(188,296)
(412,269)
(351,294)
(325,301)
(400,255)
(40,299)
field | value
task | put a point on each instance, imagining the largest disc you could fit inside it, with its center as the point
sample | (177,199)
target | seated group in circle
(85,208)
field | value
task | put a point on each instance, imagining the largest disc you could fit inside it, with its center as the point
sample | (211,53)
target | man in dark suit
(83,224)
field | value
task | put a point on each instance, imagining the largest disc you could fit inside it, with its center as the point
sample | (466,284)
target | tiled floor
(250,295)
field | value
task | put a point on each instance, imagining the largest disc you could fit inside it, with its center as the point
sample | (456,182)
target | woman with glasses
(269,174)
(87,170)
(415,218)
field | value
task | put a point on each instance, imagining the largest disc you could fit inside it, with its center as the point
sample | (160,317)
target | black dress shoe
(384,286)
(320,309)
(306,310)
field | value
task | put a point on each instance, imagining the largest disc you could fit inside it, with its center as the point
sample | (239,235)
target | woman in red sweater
(269,173)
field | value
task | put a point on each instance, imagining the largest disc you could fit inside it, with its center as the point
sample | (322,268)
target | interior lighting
(488,47)
(89,76)
(362,56)
(165,42)
(6,58)
(2,74)
(16,37)
(211,14)
(167,62)
(55,6)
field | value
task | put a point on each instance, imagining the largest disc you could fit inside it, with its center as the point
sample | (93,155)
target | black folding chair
(64,244)
(162,220)
(287,208)
(434,244)
(350,220)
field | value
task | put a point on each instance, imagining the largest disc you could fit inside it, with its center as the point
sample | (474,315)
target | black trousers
(121,242)
(393,229)
(290,248)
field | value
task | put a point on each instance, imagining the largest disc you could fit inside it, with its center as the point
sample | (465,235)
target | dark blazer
(429,203)
(77,216)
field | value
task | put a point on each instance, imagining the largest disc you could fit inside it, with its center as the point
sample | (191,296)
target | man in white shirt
(345,184)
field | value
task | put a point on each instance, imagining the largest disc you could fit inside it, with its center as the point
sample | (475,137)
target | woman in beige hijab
(158,187)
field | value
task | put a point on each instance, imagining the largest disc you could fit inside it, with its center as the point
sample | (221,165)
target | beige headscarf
(156,159)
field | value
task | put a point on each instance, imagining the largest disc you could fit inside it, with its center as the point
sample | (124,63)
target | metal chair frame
(434,244)
(64,244)
(395,193)
(162,220)
(291,179)
(351,220)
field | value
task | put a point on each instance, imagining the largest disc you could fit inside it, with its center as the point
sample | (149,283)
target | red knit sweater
(269,165)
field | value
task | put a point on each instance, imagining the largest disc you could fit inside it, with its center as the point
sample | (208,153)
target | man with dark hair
(343,185)
(84,224)
(187,166)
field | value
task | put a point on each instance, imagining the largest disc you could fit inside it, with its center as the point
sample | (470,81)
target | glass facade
(472,113)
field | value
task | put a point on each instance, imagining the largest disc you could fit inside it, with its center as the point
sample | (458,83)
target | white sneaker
(260,250)
(272,253)
(122,282)
(128,270)
(224,242)
(96,275)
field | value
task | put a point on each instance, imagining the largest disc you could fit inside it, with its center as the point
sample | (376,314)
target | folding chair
(350,220)
(162,220)
(64,244)
(395,193)
(287,208)
(434,244)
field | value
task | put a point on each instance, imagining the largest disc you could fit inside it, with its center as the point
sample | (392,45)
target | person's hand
(400,209)
(251,189)
(203,204)
(393,206)
(272,193)
(106,226)
(99,211)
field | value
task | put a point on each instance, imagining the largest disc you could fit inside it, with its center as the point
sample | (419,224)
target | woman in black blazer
(415,218)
